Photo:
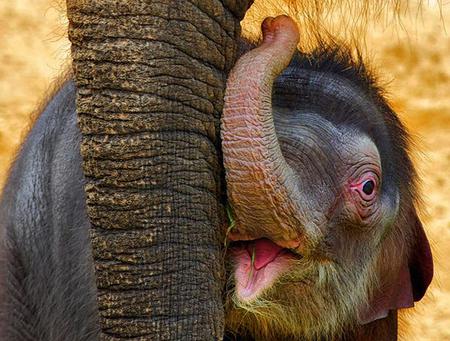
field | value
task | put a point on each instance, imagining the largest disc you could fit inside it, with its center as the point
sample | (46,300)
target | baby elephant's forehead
(305,132)
(358,147)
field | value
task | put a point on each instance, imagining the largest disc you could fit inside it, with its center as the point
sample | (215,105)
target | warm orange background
(414,61)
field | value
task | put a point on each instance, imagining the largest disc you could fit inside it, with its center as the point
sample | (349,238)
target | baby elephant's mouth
(257,264)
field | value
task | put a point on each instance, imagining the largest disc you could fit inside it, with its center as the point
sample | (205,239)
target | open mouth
(258,263)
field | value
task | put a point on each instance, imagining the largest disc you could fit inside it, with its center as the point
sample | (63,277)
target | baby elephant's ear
(420,261)
(411,282)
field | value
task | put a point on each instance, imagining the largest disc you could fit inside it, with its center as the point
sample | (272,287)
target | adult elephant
(150,78)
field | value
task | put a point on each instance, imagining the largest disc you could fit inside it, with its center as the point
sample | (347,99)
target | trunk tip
(281,28)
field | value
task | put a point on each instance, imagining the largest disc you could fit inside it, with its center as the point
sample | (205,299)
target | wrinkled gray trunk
(150,78)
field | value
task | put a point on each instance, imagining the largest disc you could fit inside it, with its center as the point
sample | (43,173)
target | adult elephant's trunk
(150,78)
(262,188)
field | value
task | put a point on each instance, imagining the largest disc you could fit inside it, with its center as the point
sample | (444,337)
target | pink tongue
(265,251)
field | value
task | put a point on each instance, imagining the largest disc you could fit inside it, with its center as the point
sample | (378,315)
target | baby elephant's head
(325,235)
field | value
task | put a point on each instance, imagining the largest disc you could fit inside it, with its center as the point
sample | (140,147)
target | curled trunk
(150,78)
(262,187)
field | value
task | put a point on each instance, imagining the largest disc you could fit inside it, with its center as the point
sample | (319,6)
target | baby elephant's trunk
(262,188)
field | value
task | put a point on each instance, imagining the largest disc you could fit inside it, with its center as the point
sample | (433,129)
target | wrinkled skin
(326,242)
(49,291)
(150,79)
(49,287)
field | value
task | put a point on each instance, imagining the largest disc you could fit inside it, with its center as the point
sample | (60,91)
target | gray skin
(50,288)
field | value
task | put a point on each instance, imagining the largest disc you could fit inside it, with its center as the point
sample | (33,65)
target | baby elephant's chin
(257,265)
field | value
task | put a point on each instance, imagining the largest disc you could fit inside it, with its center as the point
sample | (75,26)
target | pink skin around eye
(363,180)
(363,203)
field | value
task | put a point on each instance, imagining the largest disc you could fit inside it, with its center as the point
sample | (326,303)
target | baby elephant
(326,241)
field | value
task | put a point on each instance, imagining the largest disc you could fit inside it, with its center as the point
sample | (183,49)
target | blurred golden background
(412,57)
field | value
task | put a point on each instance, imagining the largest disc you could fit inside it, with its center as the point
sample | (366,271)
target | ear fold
(411,282)
(420,263)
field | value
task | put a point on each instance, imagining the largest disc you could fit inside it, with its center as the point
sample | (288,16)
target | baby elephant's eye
(368,187)
(364,189)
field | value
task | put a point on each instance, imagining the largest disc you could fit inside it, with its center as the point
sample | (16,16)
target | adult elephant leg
(150,78)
